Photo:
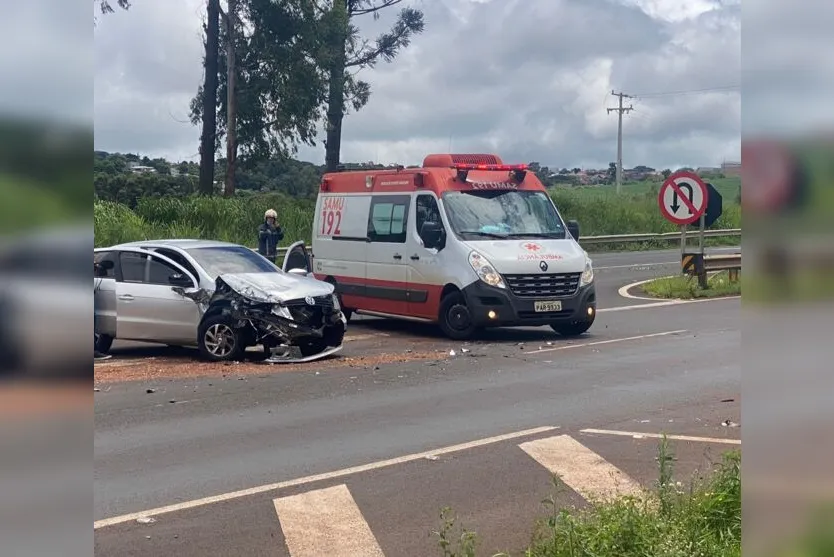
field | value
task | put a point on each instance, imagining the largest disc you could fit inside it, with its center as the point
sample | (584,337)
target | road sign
(683,198)
(715,206)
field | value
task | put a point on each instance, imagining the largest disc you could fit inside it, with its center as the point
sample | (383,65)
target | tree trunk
(336,97)
(335,114)
(231,101)
(207,140)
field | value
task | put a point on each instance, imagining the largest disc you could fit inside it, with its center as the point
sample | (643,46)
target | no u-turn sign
(683,198)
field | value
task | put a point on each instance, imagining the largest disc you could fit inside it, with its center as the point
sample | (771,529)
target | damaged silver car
(218,296)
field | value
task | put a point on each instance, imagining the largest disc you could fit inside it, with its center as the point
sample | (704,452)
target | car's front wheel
(219,341)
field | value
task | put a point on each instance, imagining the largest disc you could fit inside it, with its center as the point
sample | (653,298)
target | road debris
(145,520)
(452,353)
(96,390)
(431,457)
(729,423)
(465,351)
(150,391)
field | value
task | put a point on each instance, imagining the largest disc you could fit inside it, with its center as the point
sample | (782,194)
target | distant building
(731,168)
(143,170)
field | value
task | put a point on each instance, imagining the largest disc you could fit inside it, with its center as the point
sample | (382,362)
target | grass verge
(687,288)
(670,521)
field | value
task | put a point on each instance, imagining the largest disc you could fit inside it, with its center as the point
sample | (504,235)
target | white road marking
(609,341)
(325,522)
(666,303)
(639,434)
(583,470)
(318,477)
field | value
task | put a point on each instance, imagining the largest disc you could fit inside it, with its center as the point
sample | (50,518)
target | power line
(620,110)
(689,91)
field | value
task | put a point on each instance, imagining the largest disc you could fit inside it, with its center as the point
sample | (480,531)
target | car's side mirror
(100,269)
(433,235)
(573,228)
(178,279)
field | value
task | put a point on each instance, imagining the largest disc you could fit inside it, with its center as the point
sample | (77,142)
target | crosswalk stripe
(325,522)
(580,468)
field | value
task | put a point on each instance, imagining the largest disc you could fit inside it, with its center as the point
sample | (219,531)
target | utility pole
(620,110)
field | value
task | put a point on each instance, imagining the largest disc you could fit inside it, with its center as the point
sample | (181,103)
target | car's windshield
(231,259)
(490,214)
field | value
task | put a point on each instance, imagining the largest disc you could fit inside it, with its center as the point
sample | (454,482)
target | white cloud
(528,78)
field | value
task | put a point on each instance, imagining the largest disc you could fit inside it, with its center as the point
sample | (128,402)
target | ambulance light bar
(492,167)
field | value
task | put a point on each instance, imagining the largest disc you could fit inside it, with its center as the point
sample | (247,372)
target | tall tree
(208,138)
(349,52)
(231,100)
(278,85)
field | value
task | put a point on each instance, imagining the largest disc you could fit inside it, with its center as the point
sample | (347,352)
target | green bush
(236,219)
(670,521)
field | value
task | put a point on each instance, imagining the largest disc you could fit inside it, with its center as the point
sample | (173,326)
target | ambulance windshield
(490,214)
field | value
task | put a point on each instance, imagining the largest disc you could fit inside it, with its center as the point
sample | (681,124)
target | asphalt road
(291,438)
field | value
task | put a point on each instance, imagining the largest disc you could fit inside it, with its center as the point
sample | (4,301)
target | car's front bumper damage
(297,330)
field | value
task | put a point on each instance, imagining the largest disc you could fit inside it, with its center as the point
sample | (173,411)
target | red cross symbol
(532,247)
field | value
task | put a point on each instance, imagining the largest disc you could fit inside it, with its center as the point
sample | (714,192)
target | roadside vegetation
(702,519)
(687,288)
(598,209)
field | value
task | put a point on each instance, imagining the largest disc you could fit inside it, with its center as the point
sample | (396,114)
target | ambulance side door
(425,272)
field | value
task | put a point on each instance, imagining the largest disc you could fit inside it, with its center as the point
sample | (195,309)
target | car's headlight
(336,305)
(281,311)
(485,271)
(588,274)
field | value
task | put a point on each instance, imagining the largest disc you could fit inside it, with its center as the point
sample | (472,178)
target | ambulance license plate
(547,306)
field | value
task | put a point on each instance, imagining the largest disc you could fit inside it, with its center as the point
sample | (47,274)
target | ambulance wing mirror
(433,235)
(573,228)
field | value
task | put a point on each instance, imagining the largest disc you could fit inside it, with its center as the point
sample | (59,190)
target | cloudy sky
(527,79)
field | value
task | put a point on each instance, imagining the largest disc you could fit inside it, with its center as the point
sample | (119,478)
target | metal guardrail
(664,236)
(629,238)
(722,262)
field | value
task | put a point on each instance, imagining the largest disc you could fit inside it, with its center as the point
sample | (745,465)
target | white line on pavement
(318,477)
(583,470)
(666,303)
(609,341)
(640,434)
(325,522)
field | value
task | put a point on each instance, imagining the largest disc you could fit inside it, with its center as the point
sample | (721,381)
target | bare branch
(373,8)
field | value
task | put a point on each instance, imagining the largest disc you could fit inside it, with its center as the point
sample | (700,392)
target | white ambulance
(464,241)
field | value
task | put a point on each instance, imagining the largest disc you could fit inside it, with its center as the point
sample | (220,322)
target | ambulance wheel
(574,328)
(455,318)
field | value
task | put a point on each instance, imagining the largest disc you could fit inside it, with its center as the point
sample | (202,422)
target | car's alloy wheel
(220,340)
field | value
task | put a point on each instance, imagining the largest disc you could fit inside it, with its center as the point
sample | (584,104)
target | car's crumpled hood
(275,287)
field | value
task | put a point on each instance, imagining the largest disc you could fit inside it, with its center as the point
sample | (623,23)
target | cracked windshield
(503,214)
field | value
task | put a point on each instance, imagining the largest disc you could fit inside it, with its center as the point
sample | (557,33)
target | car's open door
(297,259)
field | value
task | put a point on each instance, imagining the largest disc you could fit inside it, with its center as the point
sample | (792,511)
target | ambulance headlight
(485,271)
(588,274)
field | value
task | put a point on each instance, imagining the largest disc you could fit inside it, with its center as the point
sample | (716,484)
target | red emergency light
(491,167)
(517,171)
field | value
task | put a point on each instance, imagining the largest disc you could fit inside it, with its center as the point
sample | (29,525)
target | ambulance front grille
(556,285)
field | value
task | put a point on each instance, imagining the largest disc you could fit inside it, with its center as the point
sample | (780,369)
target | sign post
(683,199)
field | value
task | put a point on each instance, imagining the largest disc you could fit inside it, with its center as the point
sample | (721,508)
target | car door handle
(126,297)
(415,257)
(397,256)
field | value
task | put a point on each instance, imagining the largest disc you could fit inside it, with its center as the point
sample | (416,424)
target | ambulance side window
(427,211)
(388,218)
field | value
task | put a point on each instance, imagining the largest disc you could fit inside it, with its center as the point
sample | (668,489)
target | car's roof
(178,243)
